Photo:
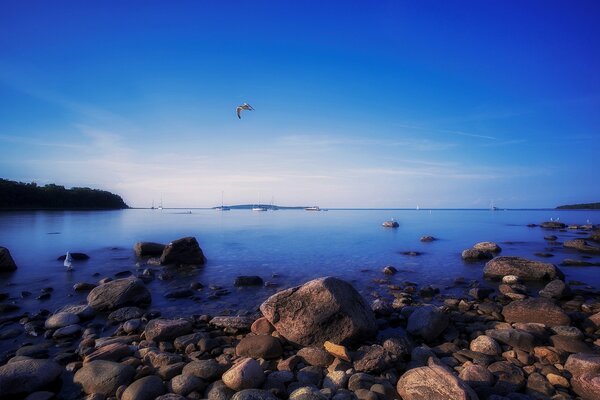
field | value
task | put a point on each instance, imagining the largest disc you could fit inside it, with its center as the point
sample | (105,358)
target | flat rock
(148,249)
(103,377)
(476,254)
(185,251)
(125,314)
(237,322)
(515,338)
(119,293)
(587,386)
(433,382)
(538,310)
(322,309)
(254,394)
(209,370)
(60,320)
(110,352)
(315,356)
(523,268)
(246,374)
(488,246)
(581,363)
(160,330)
(27,376)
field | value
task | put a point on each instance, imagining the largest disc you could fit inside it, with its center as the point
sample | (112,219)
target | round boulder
(103,377)
(261,346)
(119,293)
(433,382)
(322,309)
(246,374)
(523,268)
(428,322)
(536,310)
(27,376)
(146,388)
(185,251)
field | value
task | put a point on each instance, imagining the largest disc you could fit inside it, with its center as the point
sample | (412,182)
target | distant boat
(259,208)
(223,208)
(493,207)
(418,208)
(160,207)
(313,208)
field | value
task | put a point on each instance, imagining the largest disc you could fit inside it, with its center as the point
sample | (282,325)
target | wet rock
(475,254)
(253,280)
(83,286)
(181,293)
(119,293)
(433,382)
(148,249)
(67,331)
(390,224)
(525,269)
(160,330)
(553,225)
(427,322)
(488,246)
(427,238)
(7,264)
(185,251)
(485,345)
(126,313)
(315,356)
(538,310)
(480,293)
(389,270)
(556,289)
(254,394)
(75,256)
(261,346)
(146,388)
(27,376)
(581,245)
(322,309)
(60,320)
(246,374)
(103,377)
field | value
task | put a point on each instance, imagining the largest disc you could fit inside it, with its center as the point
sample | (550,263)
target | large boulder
(7,264)
(27,376)
(146,388)
(246,374)
(433,382)
(536,310)
(581,245)
(185,251)
(428,322)
(587,386)
(118,293)
(148,249)
(161,330)
(103,377)
(523,268)
(320,310)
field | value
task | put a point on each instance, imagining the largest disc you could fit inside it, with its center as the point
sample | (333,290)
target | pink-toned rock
(523,268)
(587,386)
(246,374)
(538,310)
(262,326)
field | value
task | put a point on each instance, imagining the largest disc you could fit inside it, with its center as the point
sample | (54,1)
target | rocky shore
(521,332)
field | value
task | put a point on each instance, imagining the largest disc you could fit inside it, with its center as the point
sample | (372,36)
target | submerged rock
(148,249)
(185,251)
(7,264)
(322,309)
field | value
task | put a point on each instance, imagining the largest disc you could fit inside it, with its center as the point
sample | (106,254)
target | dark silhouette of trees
(19,195)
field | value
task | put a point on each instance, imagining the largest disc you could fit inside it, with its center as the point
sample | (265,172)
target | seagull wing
(238,111)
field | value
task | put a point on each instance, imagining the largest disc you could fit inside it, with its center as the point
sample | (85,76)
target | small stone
(246,374)
(486,345)
(337,351)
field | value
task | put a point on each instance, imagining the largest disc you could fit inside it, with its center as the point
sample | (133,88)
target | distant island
(28,196)
(267,206)
(586,206)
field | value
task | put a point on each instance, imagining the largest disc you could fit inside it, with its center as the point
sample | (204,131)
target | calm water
(287,247)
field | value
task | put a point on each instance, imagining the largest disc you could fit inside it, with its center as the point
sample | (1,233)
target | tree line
(19,195)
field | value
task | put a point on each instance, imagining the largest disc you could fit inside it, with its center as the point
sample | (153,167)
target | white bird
(68,262)
(244,106)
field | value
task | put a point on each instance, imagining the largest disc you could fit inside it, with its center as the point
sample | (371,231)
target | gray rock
(488,246)
(218,391)
(60,320)
(320,310)
(556,289)
(527,270)
(160,330)
(476,375)
(119,293)
(209,370)
(515,338)
(185,251)
(146,388)
(587,386)
(486,345)
(27,376)
(315,356)
(475,254)
(7,264)
(428,322)
(538,310)
(237,322)
(67,331)
(248,281)
(433,382)
(578,364)
(103,377)
(307,393)
(254,394)
(185,384)
(372,359)
(125,314)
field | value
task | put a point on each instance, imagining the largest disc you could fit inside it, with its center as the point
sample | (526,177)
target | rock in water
(148,249)
(521,267)
(428,322)
(7,264)
(433,382)
(322,309)
(103,377)
(119,293)
(185,251)
(27,376)
(536,310)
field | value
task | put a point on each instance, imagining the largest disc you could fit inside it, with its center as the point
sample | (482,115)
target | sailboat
(160,207)
(223,208)
(258,207)
(493,207)
(153,208)
(273,207)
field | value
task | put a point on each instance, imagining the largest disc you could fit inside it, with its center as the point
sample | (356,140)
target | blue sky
(394,104)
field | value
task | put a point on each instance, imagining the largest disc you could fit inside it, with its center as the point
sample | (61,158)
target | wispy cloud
(38,142)
(453,132)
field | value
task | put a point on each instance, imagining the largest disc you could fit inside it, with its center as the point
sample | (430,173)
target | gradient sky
(393,104)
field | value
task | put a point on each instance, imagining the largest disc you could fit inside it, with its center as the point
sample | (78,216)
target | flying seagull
(68,262)
(244,106)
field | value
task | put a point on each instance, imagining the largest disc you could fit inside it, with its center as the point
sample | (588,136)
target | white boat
(223,207)
(259,208)
(313,208)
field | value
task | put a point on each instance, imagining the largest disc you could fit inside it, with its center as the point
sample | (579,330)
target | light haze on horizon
(393,104)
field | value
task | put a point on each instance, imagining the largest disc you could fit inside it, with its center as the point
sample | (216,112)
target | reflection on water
(285,248)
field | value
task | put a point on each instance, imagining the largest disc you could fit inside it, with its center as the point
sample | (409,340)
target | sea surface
(284,247)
